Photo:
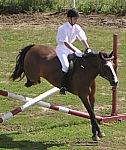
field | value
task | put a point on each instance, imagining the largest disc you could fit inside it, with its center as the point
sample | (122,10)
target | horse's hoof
(62,91)
(39,81)
(101,135)
(95,138)
(28,84)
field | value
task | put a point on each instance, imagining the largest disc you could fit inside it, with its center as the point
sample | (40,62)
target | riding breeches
(62,53)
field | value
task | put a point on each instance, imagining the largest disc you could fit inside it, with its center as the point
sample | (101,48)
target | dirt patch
(43,19)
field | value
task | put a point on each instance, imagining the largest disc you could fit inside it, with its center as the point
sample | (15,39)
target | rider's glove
(78,53)
(88,50)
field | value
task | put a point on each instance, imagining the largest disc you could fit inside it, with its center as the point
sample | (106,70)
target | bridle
(101,62)
(102,71)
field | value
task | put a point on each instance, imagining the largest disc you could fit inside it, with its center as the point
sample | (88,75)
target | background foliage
(86,6)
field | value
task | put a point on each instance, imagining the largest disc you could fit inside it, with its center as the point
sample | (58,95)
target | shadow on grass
(7,142)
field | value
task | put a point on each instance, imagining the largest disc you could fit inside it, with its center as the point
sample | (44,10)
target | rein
(101,69)
(82,63)
(83,59)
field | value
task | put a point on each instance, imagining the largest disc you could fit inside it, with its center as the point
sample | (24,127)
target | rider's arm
(74,49)
(82,37)
(85,44)
(70,46)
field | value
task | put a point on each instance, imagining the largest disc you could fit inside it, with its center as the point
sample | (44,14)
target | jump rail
(37,100)
(30,102)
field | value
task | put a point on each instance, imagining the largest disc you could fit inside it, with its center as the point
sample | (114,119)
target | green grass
(40,129)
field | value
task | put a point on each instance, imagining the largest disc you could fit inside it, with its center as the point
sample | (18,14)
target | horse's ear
(101,55)
(111,54)
(111,57)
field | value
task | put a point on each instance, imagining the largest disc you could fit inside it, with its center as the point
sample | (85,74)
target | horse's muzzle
(114,83)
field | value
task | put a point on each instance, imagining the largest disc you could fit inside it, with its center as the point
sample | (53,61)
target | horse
(36,61)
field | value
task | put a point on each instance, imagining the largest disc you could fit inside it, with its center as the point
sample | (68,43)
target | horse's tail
(19,67)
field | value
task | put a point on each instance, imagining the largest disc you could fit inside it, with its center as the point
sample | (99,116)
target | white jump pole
(26,105)
(31,101)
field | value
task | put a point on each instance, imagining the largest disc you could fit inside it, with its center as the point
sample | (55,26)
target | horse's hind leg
(28,83)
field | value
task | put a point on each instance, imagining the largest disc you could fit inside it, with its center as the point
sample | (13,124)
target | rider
(66,35)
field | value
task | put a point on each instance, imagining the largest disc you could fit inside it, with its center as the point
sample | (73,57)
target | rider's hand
(78,53)
(88,50)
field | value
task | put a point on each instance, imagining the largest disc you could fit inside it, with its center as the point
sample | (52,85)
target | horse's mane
(95,54)
(90,54)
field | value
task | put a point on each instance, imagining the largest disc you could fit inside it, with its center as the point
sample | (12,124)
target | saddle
(72,59)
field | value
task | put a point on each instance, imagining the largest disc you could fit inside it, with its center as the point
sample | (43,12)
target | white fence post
(73,3)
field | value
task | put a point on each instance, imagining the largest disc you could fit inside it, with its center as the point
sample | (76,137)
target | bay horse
(35,61)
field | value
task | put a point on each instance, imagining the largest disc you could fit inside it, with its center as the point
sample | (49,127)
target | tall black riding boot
(63,83)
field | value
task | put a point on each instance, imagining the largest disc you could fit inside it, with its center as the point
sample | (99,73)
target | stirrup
(62,91)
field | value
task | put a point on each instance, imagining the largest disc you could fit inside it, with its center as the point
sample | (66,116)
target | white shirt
(68,33)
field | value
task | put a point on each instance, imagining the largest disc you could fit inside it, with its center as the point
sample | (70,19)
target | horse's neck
(90,65)
(91,60)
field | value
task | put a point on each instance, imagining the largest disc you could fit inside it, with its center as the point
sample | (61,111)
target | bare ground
(57,19)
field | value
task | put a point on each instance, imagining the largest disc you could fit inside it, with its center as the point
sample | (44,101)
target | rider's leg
(63,82)
(65,67)
(62,55)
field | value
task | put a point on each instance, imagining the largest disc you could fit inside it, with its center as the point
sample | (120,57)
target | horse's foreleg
(95,127)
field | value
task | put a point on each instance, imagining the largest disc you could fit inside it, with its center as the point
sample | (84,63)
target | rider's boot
(63,83)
